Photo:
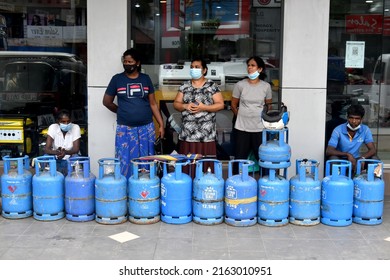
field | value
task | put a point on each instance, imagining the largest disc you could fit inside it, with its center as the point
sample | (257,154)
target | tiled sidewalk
(28,239)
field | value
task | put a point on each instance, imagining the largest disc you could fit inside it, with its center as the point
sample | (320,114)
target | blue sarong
(133,142)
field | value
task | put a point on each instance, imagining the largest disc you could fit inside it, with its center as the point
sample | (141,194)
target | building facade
(319,54)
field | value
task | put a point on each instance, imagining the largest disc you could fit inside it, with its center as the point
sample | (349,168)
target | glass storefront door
(226,33)
(359,66)
(43,53)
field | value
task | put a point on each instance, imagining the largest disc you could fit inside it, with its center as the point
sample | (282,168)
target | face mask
(196,73)
(65,127)
(353,129)
(253,75)
(129,68)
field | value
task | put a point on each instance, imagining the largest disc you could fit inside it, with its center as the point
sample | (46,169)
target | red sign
(386,26)
(363,24)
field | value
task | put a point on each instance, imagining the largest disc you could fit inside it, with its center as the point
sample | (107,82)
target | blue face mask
(253,75)
(195,73)
(65,127)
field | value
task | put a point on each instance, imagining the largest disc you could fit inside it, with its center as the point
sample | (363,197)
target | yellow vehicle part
(12,130)
(28,145)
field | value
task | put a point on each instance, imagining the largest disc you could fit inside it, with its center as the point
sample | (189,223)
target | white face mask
(253,75)
(195,73)
(352,128)
(65,127)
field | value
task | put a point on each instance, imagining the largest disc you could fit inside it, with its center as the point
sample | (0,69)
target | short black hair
(203,62)
(135,55)
(356,110)
(63,113)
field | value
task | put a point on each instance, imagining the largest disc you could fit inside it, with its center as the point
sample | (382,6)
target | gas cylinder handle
(79,160)
(7,164)
(22,164)
(135,164)
(374,168)
(178,168)
(243,165)
(230,164)
(199,169)
(26,161)
(283,136)
(217,168)
(368,161)
(153,170)
(303,164)
(86,168)
(339,167)
(46,159)
(109,161)
(165,168)
(272,174)
(117,171)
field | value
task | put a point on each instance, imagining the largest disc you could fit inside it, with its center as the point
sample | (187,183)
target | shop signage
(170,42)
(57,32)
(47,32)
(363,24)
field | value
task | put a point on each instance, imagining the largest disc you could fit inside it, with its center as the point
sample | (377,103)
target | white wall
(107,40)
(303,77)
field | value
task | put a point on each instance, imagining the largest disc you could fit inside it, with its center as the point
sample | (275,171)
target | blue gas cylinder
(337,194)
(79,190)
(368,199)
(240,196)
(110,193)
(16,182)
(273,200)
(275,152)
(48,190)
(305,194)
(144,193)
(176,191)
(208,194)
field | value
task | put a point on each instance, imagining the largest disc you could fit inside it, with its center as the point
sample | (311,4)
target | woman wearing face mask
(249,97)
(63,140)
(347,138)
(135,131)
(198,100)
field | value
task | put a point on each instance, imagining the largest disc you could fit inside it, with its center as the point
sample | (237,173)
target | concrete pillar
(303,77)
(107,32)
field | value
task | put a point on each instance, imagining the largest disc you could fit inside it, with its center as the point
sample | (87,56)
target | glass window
(359,49)
(225,32)
(43,50)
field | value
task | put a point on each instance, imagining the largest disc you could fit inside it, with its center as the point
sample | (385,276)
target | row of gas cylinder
(208,199)
(337,201)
